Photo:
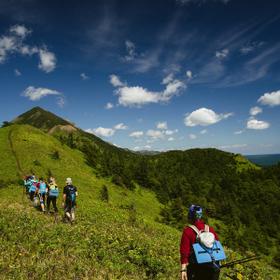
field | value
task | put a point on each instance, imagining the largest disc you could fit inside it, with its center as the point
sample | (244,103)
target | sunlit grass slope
(115,240)
(35,151)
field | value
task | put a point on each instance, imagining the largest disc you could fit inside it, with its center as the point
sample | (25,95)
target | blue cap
(195,212)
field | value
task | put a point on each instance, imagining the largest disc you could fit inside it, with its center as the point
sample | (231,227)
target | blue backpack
(27,183)
(206,248)
(72,194)
(33,186)
(53,191)
(42,188)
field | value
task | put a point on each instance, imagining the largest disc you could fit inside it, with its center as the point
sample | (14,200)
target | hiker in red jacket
(190,269)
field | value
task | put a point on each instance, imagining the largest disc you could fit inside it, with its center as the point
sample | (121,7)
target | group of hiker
(43,193)
(200,249)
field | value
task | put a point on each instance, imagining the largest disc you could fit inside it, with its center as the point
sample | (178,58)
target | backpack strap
(195,229)
(206,228)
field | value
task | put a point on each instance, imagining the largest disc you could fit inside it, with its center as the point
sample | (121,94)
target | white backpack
(204,236)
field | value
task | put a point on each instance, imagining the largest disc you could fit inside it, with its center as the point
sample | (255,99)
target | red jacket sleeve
(185,247)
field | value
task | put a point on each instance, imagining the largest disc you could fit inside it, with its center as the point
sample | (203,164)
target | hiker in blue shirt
(33,188)
(27,184)
(42,193)
(53,192)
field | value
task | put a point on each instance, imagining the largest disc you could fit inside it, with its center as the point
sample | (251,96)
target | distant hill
(264,160)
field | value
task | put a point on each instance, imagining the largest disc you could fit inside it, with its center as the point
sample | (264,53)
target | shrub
(36,162)
(132,216)
(104,194)
(117,180)
(55,155)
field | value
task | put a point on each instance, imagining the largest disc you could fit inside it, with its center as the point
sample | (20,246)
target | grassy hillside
(116,240)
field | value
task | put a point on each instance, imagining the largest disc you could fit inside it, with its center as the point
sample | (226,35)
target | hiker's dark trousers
(31,195)
(202,272)
(52,199)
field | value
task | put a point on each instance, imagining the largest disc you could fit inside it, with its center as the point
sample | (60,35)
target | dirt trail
(19,169)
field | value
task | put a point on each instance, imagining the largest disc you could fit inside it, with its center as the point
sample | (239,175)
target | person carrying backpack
(197,238)
(32,188)
(52,191)
(27,183)
(42,193)
(69,200)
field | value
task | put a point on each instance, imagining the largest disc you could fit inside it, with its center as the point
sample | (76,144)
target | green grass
(108,241)
(8,170)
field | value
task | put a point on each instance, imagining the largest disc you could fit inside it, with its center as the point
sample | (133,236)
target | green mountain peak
(40,118)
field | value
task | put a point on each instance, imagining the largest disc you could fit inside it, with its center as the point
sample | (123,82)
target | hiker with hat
(198,234)
(53,192)
(33,188)
(69,200)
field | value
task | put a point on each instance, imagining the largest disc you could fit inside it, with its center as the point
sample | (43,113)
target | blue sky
(148,75)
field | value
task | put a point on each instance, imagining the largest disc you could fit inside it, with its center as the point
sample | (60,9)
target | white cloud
(170,132)
(17,72)
(270,98)
(107,132)
(20,30)
(238,132)
(172,88)
(170,139)
(203,131)
(35,94)
(246,49)
(13,42)
(222,53)
(60,101)
(7,45)
(137,96)
(250,47)
(162,125)
(204,117)
(136,134)
(102,131)
(155,134)
(233,146)
(84,76)
(47,60)
(255,110)
(27,50)
(115,81)
(130,48)
(169,78)
(147,147)
(189,74)
(120,126)
(192,136)
(109,106)
(258,125)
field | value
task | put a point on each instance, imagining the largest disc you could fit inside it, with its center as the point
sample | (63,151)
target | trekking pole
(227,275)
(247,259)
